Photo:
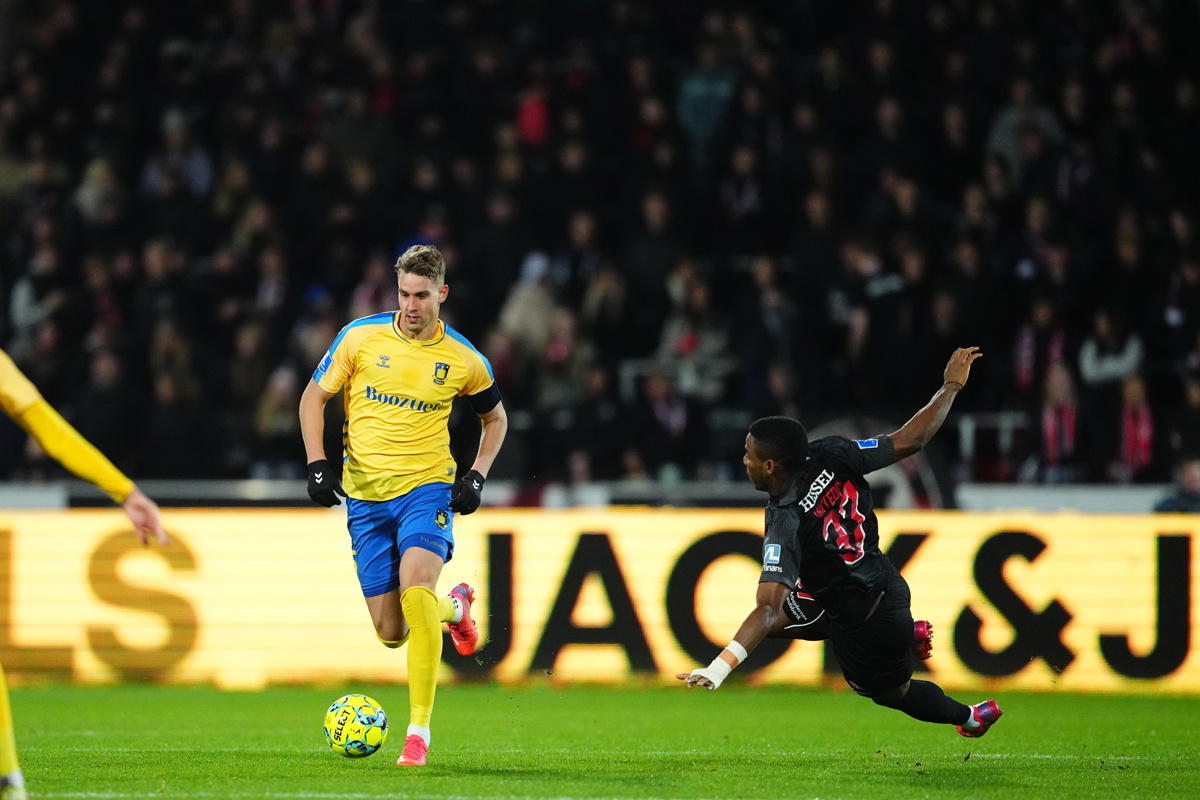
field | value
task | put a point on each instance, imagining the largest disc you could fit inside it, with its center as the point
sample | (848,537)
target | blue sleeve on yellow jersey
(480,389)
(458,337)
(328,361)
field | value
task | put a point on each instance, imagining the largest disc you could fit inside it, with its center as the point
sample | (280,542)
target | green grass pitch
(597,742)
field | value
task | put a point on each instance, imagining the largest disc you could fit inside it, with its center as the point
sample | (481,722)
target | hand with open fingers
(143,513)
(703,677)
(959,367)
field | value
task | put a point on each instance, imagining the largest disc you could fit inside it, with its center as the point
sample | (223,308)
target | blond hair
(423,260)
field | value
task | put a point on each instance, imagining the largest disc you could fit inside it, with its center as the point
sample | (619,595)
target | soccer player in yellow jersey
(401,371)
(22,402)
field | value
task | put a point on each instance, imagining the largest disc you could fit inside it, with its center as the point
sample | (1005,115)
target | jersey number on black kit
(842,526)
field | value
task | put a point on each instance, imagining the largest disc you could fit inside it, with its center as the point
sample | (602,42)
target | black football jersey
(822,531)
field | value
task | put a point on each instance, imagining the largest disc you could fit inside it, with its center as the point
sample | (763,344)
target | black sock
(927,702)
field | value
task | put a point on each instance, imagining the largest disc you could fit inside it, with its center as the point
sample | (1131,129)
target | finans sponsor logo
(400,402)
(771,554)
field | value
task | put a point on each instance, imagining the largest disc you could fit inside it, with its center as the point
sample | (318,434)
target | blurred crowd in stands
(662,218)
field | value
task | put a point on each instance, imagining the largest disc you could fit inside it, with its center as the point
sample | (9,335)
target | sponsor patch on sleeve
(323,367)
(866,444)
(771,554)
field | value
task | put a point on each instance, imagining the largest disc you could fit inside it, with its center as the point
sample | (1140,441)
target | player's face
(420,301)
(755,467)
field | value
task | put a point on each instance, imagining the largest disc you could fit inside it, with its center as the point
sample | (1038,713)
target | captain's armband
(484,401)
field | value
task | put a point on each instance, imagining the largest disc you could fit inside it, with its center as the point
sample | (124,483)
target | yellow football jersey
(399,392)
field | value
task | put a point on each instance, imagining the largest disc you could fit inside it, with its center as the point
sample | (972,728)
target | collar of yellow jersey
(441,333)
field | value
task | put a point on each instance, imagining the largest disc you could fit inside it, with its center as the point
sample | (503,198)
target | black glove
(323,484)
(467,492)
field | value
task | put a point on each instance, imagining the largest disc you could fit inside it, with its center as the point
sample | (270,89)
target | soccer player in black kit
(822,534)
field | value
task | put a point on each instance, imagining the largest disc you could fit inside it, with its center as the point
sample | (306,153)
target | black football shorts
(877,656)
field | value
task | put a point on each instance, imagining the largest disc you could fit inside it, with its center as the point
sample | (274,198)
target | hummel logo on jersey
(318,476)
(440,371)
(383,362)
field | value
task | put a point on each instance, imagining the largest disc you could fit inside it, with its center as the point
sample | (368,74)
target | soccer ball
(355,726)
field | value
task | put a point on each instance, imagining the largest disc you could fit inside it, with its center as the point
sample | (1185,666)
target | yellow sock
(445,608)
(421,609)
(8,745)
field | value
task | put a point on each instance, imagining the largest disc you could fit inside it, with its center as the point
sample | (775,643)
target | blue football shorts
(381,531)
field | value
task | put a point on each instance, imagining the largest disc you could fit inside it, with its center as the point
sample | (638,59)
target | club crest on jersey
(771,554)
(383,362)
(441,518)
(440,371)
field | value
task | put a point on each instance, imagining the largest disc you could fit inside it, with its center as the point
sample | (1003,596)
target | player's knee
(890,697)
(391,642)
(420,607)
(392,632)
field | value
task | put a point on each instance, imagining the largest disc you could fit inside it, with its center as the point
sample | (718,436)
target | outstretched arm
(917,432)
(768,608)
(67,446)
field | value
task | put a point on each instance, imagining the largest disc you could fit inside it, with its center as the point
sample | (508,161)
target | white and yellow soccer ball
(355,726)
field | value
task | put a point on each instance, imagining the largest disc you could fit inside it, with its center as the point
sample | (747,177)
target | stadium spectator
(1125,449)
(1183,430)
(598,430)
(1056,452)
(768,337)
(1185,497)
(705,98)
(1041,345)
(1108,356)
(669,432)
(745,198)
(276,427)
(696,341)
(1023,113)
(105,412)
(176,438)
(653,244)
(578,259)
(180,157)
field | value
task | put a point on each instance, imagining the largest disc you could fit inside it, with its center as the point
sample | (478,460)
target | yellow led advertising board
(249,598)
